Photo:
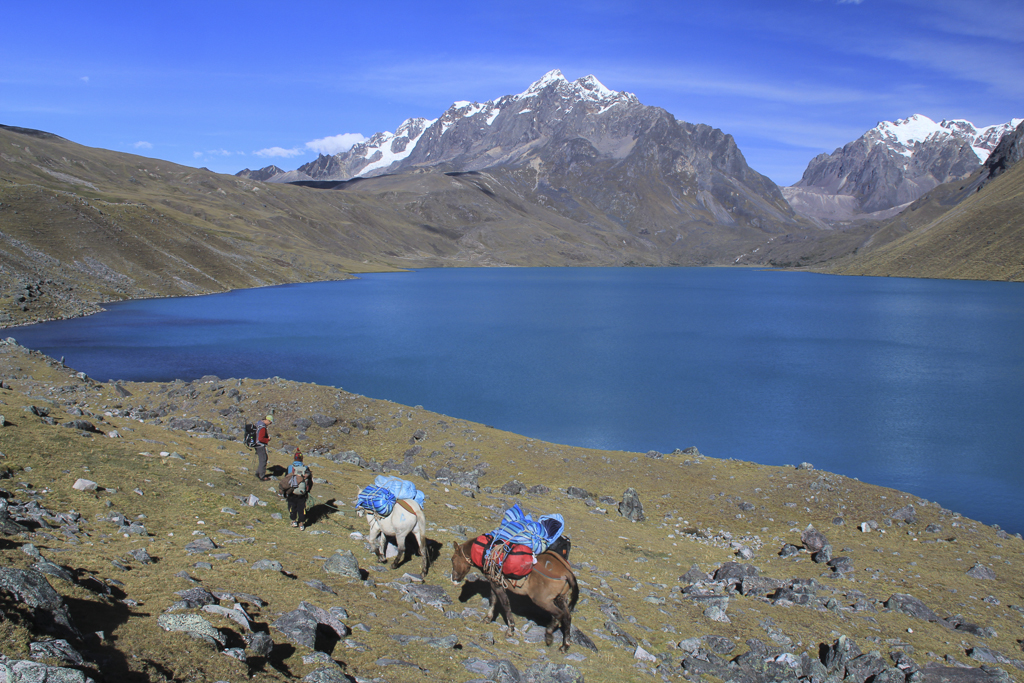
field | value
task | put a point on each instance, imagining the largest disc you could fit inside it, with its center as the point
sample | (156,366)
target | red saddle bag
(519,562)
(478,548)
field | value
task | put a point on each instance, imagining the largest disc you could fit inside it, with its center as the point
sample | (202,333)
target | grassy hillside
(956,232)
(184,486)
(80,226)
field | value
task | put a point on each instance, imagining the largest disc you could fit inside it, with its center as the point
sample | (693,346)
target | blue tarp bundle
(519,527)
(378,499)
(400,487)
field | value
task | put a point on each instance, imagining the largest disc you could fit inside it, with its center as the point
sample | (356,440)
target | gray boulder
(192,624)
(200,545)
(497,670)
(434,596)
(734,571)
(312,627)
(269,565)
(549,672)
(260,644)
(905,514)
(343,564)
(911,606)
(813,539)
(513,488)
(578,493)
(980,571)
(631,508)
(25,671)
(33,590)
(60,650)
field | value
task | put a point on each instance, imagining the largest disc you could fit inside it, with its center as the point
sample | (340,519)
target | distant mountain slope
(891,165)
(595,156)
(971,229)
(80,226)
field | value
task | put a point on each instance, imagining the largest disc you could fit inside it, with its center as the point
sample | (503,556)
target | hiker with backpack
(295,487)
(262,439)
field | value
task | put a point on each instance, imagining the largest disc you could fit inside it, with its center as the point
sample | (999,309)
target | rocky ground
(138,545)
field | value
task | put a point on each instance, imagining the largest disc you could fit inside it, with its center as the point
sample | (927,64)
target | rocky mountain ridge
(592,155)
(891,165)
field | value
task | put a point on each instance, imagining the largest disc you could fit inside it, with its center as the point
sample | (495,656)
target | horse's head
(460,562)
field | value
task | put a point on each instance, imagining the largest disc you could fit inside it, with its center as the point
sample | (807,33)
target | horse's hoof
(548,639)
(563,649)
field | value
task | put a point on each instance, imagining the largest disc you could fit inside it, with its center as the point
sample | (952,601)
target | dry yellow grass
(614,559)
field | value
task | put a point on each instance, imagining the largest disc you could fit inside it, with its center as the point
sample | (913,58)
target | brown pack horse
(551,586)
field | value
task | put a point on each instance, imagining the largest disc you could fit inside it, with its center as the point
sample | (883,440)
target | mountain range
(562,174)
(873,177)
(888,167)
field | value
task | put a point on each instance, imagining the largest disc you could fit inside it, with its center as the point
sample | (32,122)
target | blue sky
(214,84)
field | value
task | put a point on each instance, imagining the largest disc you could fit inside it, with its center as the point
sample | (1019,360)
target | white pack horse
(406,517)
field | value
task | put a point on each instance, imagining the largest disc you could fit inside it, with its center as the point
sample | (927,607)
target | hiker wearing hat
(262,439)
(295,486)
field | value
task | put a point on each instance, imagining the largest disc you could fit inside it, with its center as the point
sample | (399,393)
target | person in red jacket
(262,439)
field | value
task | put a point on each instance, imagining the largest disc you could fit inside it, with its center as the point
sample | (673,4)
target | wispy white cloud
(335,144)
(215,153)
(142,144)
(84,79)
(279,152)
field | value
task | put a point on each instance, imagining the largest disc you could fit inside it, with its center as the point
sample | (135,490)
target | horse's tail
(574,590)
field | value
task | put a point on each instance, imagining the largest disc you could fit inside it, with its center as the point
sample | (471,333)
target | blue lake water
(914,384)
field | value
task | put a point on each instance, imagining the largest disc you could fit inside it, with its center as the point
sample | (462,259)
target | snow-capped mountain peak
(904,134)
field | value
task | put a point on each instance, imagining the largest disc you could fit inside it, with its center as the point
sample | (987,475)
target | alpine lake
(912,384)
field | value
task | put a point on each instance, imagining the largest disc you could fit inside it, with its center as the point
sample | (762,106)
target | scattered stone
(578,493)
(141,556)
(841,565)
(271,565)
(498,670)
(513,488)
(789,550)
(716,613)
(26,671)
(980,571)
(32,589)
(435,596)
(911,606)
(260,644)
(327,675)
(320,586)
(824,555)
(200,545)
(196,597)
(734,571)
(60,650)
(694,575)
(643,655)
(805,466)
(192,624)
(631,508)
(905,514)
(813,539)
(343,563)
(549,672)
(236,615)
(84,485)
